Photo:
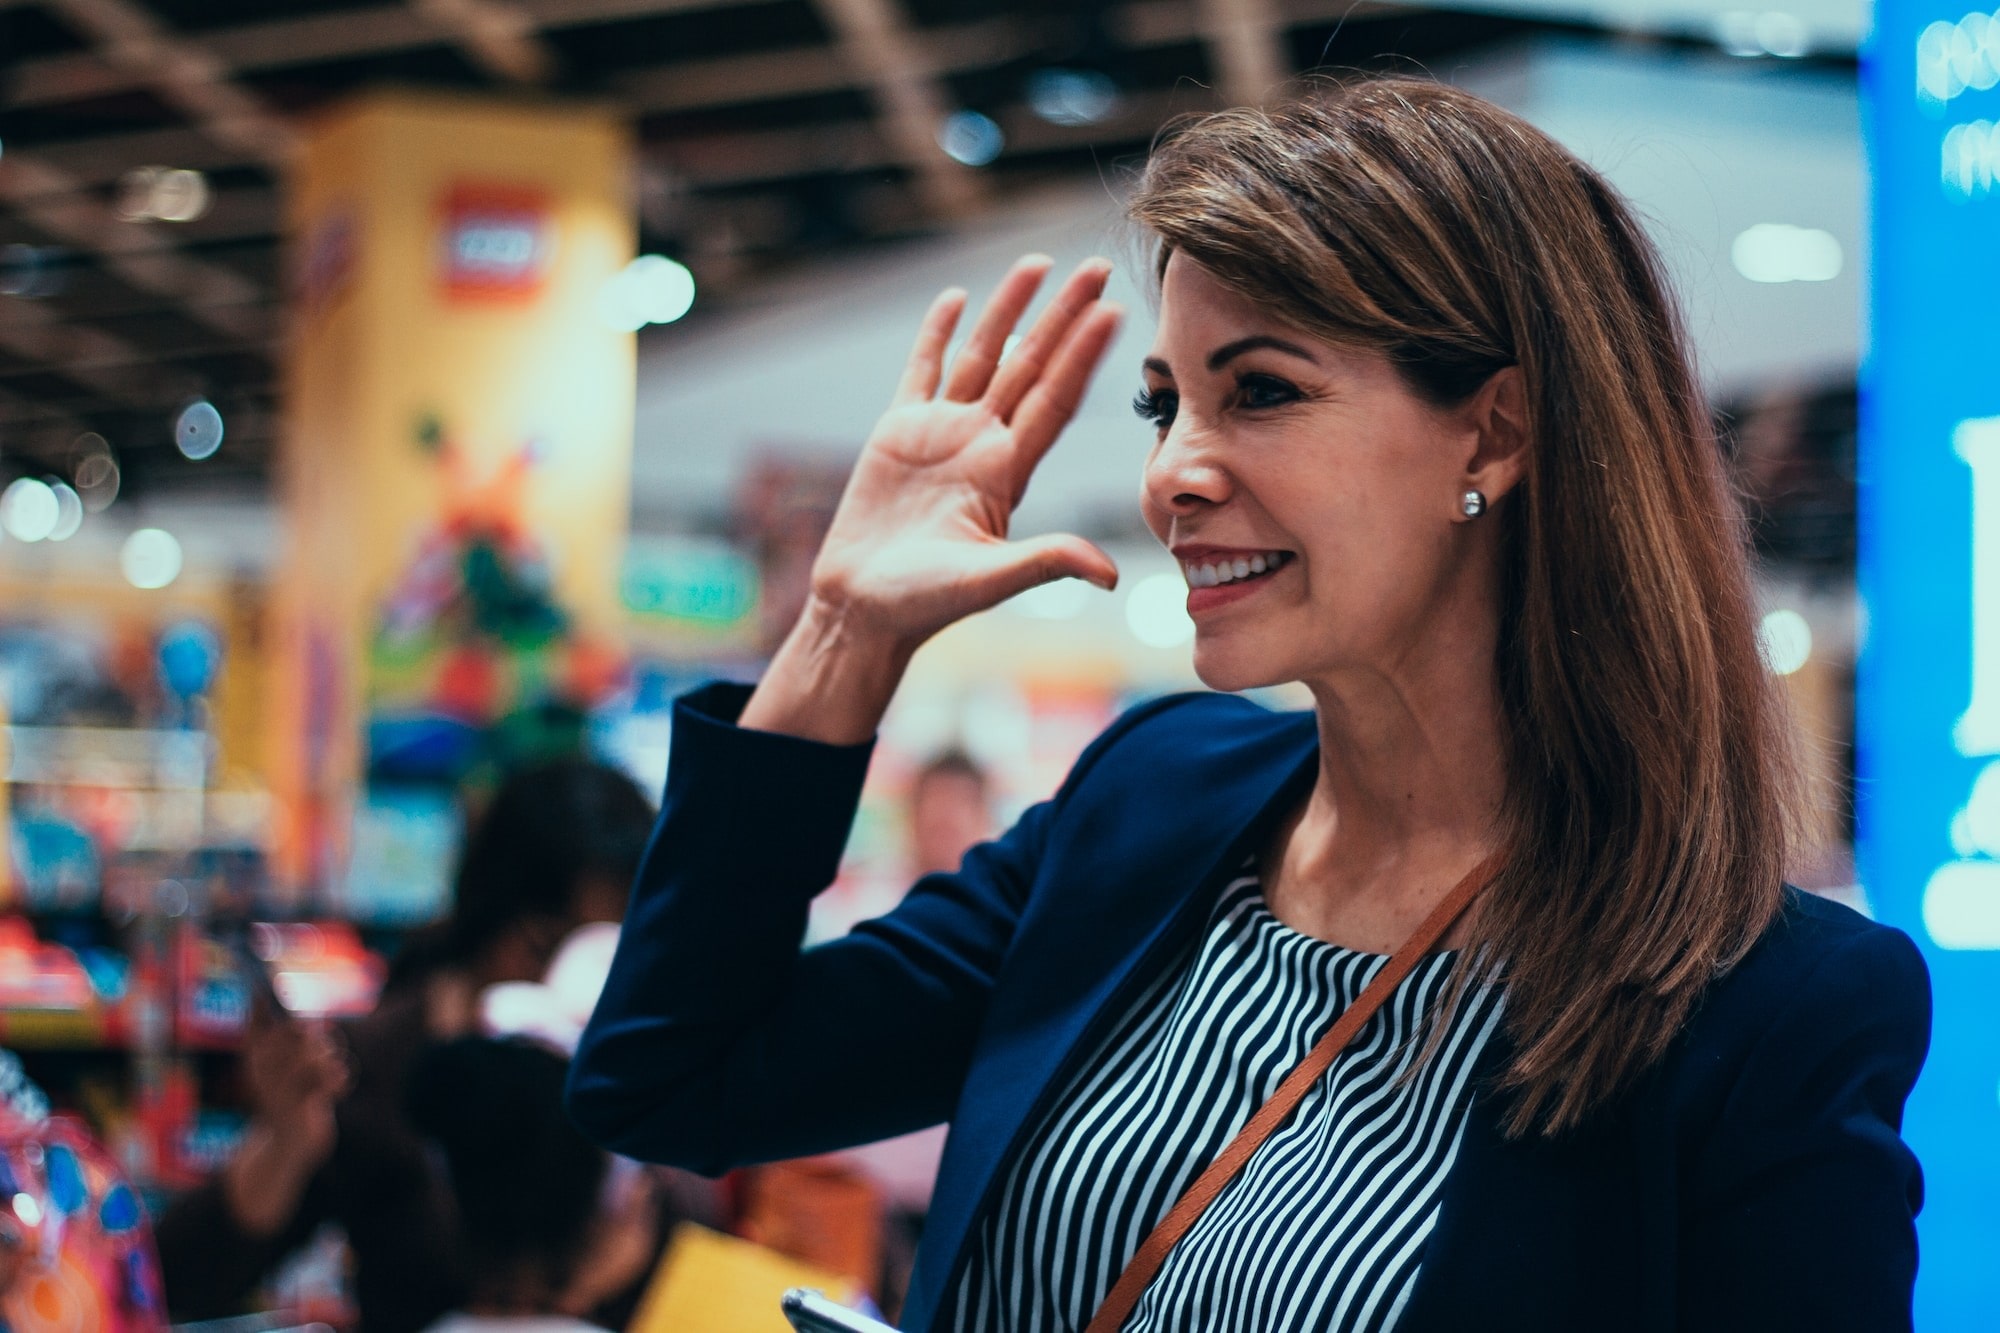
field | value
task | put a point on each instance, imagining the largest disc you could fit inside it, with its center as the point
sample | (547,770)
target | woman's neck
(1407,799)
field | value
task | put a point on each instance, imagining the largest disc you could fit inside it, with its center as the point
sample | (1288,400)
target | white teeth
(1228,571)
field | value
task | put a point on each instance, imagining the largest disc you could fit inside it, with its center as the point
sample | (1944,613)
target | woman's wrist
(830,681)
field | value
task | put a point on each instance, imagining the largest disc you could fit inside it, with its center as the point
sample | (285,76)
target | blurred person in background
(950,811)
(537,1207)
(329,1139)
(1426,437)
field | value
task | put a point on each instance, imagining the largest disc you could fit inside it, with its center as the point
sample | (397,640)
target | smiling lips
(1217,577)
(1213,571)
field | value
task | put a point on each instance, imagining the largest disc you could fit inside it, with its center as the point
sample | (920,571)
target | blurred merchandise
(711,1283)
(76,1253)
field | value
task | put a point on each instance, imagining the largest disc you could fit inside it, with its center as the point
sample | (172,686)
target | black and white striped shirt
(1323,1229)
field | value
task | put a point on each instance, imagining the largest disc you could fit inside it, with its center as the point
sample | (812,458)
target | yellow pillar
(458,435)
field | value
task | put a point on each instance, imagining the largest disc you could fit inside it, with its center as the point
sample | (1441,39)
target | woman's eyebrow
(1228,352)
(1157,366)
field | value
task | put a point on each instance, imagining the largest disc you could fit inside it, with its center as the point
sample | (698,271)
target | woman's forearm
(829,681)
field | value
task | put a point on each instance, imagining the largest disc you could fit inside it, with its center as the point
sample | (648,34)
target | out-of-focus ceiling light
(970,137)
(1072,96)
(1953,58)
(30,270)
(1780,252)
(29,510)
(151,558)
(652,289)
(198,430)
(162,194)
(94,471)
(69,512)
(1786,639)
(1754,33)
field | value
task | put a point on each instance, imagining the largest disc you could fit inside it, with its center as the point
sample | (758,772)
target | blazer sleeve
(1804,1208)
(716,1042)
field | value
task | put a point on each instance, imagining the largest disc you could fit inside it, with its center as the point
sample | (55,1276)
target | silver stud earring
(1473,503)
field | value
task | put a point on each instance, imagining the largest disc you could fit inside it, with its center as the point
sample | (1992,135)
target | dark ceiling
(769,129)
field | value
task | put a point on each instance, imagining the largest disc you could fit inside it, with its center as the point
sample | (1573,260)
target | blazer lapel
(1119,895)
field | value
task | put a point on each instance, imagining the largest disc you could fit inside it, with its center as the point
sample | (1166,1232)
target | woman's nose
(1182,475)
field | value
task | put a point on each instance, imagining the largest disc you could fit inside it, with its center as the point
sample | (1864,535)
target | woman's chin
(1225,668)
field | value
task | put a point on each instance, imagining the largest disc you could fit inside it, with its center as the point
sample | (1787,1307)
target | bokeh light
(971,138)
(1780,252)
(1156,611)
(1786,639)
(652,289)
(29,510)
(151,558)
(69,512)
(162,194)
(94,472)
(198,430)
(1071,96)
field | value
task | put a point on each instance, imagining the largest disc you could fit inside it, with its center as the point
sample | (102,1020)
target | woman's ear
(1497,415)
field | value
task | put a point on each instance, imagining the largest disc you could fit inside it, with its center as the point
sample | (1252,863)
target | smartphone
(810,1312)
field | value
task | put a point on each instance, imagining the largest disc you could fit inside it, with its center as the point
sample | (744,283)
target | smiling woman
(1470,998)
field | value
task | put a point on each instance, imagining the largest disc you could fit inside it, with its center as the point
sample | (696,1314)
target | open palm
(920,537)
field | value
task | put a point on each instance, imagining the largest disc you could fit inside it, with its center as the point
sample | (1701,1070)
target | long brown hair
(1651,788)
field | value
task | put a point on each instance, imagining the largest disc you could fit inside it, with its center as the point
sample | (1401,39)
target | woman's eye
(1157,406)
(1255,391)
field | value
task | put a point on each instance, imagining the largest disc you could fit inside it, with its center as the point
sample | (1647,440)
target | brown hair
(1651,788)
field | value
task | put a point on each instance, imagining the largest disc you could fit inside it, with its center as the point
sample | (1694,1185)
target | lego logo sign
(497,243)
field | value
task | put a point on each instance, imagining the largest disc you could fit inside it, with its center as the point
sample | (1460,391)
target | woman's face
(1317,463)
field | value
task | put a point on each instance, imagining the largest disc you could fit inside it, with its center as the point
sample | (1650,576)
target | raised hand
(920,537)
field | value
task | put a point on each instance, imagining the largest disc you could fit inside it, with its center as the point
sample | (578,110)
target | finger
(926,364)
(1048,406)
(1022,367)
(972,368)
(1019,566)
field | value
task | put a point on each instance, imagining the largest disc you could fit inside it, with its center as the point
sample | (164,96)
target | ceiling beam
(495,35)
(720,161)
(100,361)
(139,253)
(355,34)
(1246,45)
(129,38)
(879,47)
(804,70)
(185,74)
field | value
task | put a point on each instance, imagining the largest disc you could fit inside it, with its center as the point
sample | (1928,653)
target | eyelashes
(1254,392)
(1156,405)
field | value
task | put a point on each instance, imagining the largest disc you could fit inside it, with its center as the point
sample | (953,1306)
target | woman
(1428,440)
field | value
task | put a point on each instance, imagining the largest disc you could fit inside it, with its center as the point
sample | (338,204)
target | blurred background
(394,395)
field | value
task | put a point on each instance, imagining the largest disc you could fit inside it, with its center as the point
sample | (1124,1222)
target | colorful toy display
(76,1254)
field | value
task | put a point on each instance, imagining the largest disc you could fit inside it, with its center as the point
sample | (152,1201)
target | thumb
(1038,560)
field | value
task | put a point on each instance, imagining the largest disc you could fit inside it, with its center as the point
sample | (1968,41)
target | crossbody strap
(1152,1252)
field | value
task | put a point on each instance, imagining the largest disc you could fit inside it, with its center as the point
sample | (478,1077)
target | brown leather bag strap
(1152,1252)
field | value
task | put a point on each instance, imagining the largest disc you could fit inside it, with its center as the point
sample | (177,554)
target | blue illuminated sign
(1929,688)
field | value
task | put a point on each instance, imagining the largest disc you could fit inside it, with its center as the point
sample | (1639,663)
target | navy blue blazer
(1754,1179)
